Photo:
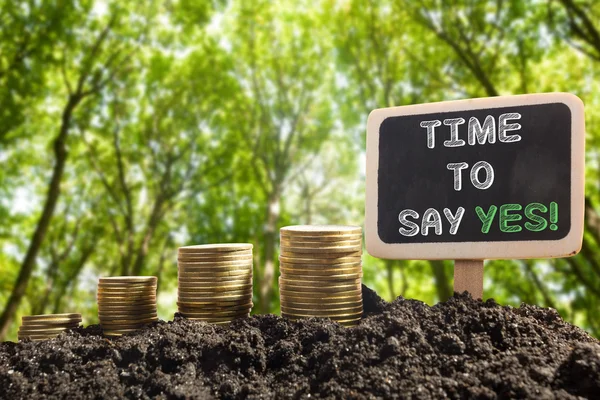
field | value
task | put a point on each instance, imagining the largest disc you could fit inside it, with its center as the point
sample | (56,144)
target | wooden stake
(468,275)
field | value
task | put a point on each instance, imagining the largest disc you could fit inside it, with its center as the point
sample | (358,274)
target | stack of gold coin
(47,326)
(320,272)
(215,282)
(126,303)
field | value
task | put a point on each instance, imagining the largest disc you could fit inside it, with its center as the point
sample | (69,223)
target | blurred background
(128,129)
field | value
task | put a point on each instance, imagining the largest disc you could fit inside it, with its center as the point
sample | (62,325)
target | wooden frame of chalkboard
(488,178)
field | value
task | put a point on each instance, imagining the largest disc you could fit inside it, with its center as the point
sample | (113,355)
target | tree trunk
(28,265)
(389,266)
(142,250)
(270,240)
(403,280)
(442,282)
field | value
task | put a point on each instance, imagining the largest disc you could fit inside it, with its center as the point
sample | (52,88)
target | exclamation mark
(553,216)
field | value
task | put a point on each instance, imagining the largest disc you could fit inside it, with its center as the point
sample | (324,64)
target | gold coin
(40,331)
(213,295)
(109,290)
(129,306)
(117,290)
(126,286)
(52,317)
(127,319)
(129,279)
(206,273)
(51,324)
(322,305)
(298,296)
(319,261)
(216,320)
(352,295)
(317,283)
(218,286)
(218,290)
(213,269)
(325,268)
(215,263)
(215,279)
(215,287)
(190,310)
(233,300)
(315,275)
(225,297)
(319,254)
(298,242)
(307,286)
(337,278)
(125,293)
(204,295)
(330,239)
(321,249)
(210,282)
(322,312)
(109,316)
(219,257)
(215,314)
(230,307)
(126,300)
(114,327)
(341,316)
(128,313)
(136,309)
(321,230)
(215,248)
(211,303)
(241,274)
(47,327)
(130,319)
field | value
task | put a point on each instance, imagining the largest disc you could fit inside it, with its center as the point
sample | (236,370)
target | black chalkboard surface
(495,173)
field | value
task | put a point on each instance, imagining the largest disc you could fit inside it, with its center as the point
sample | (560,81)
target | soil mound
(461,348)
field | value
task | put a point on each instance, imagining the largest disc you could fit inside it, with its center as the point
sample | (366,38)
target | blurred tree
(93,59)
(384,65)
(206,121)
(149,154)
(282,65)
(27,38)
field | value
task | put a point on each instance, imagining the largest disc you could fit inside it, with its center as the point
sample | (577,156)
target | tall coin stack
(126,304)
(320,272)
(215,282)
(47,326)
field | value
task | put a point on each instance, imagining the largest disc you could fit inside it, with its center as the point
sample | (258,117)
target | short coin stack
(215,282)
(47,326)
(126,303)
(321,271)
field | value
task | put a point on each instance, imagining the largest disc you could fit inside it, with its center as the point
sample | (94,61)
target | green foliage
(212,121)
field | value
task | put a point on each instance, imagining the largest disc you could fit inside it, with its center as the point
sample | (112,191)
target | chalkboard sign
(485,178)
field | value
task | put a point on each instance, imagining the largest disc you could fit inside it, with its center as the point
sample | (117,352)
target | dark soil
(458,349)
